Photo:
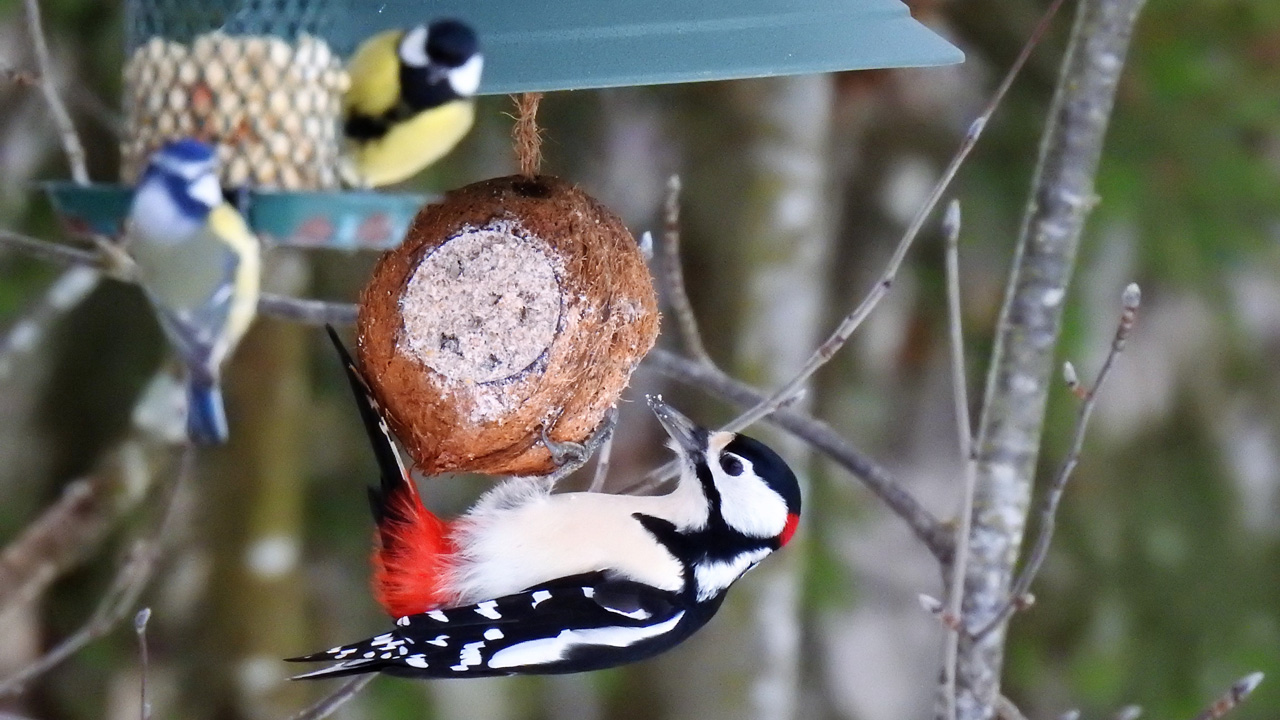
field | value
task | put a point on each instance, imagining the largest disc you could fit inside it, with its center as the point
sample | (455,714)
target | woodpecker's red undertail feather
(413,545)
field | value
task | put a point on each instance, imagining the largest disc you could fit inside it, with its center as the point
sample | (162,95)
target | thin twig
(66,533)
(821,436)
(307,312)
(26,335)
(301,310)
(21,78)
(1128,712)
(122,595)
(602,464)
(51,251)
(61,118)
(673,274)
(1236,694)
(1130,301)
(140,628)
(964,434)
(1007,710)
(345,692)
(850,323)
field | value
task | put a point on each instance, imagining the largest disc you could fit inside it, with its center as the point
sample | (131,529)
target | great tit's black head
(451,43)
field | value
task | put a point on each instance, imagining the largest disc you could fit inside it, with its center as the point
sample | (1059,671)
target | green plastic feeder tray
(336,220)
(577,44)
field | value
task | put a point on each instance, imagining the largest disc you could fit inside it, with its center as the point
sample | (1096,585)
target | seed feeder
(260,81)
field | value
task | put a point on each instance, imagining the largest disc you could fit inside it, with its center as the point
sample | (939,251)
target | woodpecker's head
(752,487)
(446,56)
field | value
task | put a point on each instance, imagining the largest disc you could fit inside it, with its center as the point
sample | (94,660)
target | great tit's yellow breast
(375,76)
(412,145)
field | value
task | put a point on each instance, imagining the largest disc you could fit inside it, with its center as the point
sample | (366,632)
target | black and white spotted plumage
(644,574)
(581,623)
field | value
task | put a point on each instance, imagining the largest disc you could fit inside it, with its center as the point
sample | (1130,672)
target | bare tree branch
(27,334)
(1128,712)
(844,330)
(140,629)
(328,705)
(1008,436)
(602,464)
(964,435)
(51,251)
(821,436)
(1048,514)
(1236,694)
(61,118)
(307,312)
(1007,710)
(122,595)
(673,274)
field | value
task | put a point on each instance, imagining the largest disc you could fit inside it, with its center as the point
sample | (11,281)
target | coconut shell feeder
(516,309)
(514,312)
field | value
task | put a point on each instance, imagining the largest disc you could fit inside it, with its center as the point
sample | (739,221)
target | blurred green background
(1163,585)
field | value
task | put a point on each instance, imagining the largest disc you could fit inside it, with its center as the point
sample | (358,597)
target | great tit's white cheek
(465,79)
(413,47)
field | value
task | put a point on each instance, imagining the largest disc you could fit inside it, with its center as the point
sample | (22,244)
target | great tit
(410,100)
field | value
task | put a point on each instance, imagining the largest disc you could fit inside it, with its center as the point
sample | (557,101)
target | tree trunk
(1022,365)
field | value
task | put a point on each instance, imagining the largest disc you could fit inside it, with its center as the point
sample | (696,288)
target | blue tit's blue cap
(581,44)
(186,151)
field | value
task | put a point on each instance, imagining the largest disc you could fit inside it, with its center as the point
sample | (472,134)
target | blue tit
(410,100)
(200,266)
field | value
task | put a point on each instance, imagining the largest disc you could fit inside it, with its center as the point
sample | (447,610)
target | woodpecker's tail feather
(206,416)
(413,545)
(343,669)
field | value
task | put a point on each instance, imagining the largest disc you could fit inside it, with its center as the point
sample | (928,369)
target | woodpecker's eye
(731,464)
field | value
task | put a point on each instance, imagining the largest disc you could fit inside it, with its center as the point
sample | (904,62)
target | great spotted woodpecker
(530,582)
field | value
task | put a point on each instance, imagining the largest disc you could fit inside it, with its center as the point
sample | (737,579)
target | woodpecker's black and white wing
(586,622)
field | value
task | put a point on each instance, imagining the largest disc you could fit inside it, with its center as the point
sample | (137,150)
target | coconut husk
(514,306)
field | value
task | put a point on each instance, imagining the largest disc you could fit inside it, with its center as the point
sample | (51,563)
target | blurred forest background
(1163,585)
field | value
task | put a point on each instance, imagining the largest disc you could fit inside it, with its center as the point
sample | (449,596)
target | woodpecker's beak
(687,437)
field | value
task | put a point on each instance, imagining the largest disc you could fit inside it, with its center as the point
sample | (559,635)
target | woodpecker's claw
(563,453)
(570,456)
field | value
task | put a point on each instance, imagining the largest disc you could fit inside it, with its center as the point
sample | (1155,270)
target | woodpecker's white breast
(520,535)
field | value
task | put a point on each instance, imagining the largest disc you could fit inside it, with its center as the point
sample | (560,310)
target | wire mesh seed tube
(256,78)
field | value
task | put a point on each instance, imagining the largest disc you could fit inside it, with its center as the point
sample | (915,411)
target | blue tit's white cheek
(157,216)
(207,191)
(465,79)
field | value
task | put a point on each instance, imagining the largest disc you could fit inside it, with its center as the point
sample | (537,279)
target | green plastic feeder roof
(576,44)
(335,220)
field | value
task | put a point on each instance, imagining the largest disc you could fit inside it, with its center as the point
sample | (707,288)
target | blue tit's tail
(206,417)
